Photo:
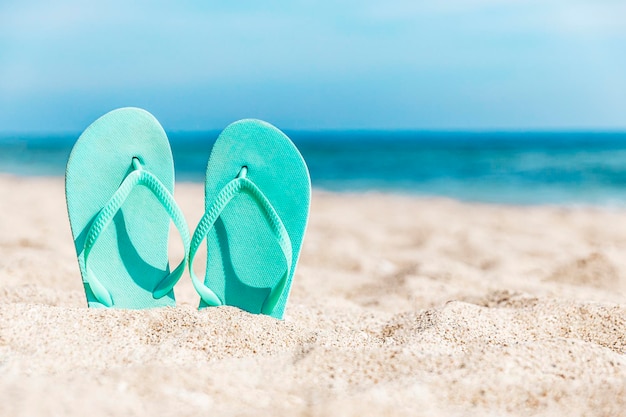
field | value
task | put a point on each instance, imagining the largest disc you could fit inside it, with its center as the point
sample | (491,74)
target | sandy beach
(401,306)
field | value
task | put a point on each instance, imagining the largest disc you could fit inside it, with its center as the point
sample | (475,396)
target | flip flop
(119,183)
(257,196)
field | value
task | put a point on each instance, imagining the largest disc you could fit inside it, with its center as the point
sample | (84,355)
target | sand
(401,306)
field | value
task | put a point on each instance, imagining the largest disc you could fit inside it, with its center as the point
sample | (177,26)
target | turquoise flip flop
(257,196)
(118,185)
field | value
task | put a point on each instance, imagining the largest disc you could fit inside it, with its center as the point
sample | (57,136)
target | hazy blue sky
(458,64)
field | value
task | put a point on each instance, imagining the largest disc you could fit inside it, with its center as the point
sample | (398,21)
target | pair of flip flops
(119,189)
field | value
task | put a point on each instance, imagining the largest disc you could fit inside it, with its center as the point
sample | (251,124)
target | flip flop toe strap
(105,217)
(225,196)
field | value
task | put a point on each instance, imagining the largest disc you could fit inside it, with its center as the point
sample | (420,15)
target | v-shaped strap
(138,176)
(225,196)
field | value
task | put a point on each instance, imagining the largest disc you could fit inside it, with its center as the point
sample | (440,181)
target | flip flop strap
(104,218)
(225,196)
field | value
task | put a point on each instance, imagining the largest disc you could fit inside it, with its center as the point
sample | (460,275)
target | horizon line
(58,133)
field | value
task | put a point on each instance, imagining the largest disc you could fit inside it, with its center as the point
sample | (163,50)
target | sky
(424,65)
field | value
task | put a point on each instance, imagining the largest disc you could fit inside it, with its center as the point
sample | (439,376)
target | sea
(513,168)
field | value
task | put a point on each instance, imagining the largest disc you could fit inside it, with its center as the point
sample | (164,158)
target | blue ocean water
(508,168)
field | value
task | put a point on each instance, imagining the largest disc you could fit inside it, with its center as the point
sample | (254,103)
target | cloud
(21,20)
(579,18)
(584,19)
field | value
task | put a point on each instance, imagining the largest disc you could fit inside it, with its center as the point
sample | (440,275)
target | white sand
(400,306)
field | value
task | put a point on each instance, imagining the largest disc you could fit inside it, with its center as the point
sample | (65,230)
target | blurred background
(520,102)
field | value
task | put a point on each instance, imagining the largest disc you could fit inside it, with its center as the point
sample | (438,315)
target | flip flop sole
(131,255)
(244,261)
